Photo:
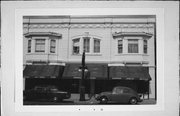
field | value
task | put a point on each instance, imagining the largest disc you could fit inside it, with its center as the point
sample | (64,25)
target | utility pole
(82,87)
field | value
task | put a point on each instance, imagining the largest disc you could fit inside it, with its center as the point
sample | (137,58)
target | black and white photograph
(89,60)
(79,58)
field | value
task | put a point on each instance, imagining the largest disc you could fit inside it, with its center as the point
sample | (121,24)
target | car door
(117,95)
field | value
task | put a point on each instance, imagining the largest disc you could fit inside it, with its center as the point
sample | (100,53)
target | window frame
(74,46)
(52,46)
(40,51)
(29,46)
(90,44)
(94,46)
(119,46)
(135,43)
(145,46)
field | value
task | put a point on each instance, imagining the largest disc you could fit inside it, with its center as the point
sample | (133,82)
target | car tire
(103,100)
(133,101)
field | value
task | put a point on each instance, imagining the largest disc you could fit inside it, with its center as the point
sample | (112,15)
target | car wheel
(103,100)
(133,100)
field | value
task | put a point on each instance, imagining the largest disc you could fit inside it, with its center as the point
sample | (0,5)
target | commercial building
(120,51)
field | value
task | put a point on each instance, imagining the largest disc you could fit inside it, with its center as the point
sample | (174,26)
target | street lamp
(82,69)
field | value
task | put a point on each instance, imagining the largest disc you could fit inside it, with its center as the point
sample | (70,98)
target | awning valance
(43,71)
(129,73)
(95,71)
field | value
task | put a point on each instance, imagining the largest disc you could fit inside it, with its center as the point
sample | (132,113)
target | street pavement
(74,100)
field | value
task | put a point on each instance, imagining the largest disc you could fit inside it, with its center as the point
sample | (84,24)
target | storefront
(98,77)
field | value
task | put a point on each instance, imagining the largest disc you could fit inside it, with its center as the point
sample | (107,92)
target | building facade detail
(114,41)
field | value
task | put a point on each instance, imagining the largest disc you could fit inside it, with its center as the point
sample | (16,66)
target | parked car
(119,94)
(45,93)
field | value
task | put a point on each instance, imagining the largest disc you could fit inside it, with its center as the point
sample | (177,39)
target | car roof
(123,87)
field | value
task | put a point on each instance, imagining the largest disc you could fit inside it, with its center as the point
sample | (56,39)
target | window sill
(41,53)
(88,54)
(134,54)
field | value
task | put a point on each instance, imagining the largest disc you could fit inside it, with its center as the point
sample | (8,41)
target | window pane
(96,46)
(40,45)
(53,46)
(145,46)
(120,46)
(132,46)
(86,44)
(76,46)
(29,46)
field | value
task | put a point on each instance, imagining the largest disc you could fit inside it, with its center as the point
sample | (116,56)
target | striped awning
(95,71)
(129,73)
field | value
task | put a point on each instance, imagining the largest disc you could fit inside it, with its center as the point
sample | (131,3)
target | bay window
(120,46)
(133,46)
(29,46)
(90,44)
(52,46)
(145,46)
(40,45)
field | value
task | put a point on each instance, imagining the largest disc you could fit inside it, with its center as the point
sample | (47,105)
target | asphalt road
(88,102)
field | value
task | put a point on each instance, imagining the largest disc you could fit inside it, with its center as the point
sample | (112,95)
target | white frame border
(19,13)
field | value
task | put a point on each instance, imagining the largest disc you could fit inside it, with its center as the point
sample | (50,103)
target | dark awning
(129,73)
(95,71)
(43,71)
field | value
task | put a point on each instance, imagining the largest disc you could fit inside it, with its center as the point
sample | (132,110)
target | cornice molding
(40,26)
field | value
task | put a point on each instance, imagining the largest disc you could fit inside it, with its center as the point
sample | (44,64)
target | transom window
(40,45)
(133,46)
(89,44)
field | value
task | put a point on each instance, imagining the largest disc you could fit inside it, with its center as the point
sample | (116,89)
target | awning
(95,71)
(43,71)
(129,73)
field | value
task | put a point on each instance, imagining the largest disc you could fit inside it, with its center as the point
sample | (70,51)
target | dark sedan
(50,93)
(119,95)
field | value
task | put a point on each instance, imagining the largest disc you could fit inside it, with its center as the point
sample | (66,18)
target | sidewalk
(93,101)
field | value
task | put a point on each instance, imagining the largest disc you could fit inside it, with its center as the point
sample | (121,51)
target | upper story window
(40,45)
(42,42)
(91,45)
(86,44)
(145,47)
(96,45)
(133,46)
(120,46)
(132,42)
(76,46)
(53,46)
(29,46)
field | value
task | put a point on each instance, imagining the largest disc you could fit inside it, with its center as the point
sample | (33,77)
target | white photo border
(19,13)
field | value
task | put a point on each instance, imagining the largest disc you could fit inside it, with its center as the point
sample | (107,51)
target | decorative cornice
(108,25)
